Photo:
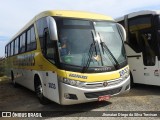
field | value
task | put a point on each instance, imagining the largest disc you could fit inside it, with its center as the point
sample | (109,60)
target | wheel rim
(39,91)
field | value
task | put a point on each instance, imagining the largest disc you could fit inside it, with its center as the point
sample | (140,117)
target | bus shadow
(80,107)
(29,102)
(78,110)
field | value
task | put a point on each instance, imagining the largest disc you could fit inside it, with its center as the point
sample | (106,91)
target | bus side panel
(24,78)
(50,85)
(136,65)
(7,67)
(151,74)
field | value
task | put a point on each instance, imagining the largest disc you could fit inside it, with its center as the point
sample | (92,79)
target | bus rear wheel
(39,93)
(13,80)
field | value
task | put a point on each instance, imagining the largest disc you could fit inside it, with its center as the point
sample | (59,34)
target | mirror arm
(52,27)
(122,31)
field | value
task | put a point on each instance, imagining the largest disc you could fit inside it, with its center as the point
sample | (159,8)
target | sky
(14,14)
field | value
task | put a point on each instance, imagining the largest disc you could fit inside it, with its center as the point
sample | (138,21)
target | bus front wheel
(39,93)
(132,84)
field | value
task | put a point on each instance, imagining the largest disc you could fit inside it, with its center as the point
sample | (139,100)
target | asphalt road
(140,98)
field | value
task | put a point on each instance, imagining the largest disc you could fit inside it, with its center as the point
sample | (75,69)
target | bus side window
(12,48)
(49,50)
(140,38)
(41,25)
(16,46)
(133,40)
(22,42)
(47,45)
(148,52)
(9,50)
(31,39)
(6,51)
(158,48)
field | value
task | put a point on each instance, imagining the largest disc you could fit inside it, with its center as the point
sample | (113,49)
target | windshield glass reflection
(76,38)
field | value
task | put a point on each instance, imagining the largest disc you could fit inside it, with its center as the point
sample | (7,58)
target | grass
(2,67)
(4,78)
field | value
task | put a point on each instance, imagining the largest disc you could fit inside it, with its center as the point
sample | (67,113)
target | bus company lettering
(25,60)
(78,76)
(103,69)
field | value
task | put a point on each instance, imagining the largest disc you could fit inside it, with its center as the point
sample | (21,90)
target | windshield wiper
(108,52)
(90,54)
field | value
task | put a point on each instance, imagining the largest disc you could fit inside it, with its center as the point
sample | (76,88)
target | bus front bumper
(74,95)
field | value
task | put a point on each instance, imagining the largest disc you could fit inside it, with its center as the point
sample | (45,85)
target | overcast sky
(14,14)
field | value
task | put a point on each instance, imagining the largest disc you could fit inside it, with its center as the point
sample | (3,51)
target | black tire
(13,80)
(39,93)
(132,84)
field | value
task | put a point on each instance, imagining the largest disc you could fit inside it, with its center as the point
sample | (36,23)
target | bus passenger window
(6,51)
(148,52)
(28,39)
(31,40)
(9,48)
(16,46)
(12,48)
(22,43)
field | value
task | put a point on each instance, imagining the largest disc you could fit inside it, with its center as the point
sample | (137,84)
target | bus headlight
(71,82)
(125,76)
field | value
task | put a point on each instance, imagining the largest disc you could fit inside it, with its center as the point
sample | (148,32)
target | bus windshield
(78,42)
(109,34)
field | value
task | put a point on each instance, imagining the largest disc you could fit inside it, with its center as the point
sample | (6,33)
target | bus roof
(143,12)
(64,13)
(73,14)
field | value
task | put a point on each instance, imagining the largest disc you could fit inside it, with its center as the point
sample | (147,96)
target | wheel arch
(131,80)
(37,80)
(12,75)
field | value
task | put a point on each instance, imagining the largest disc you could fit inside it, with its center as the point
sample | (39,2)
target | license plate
(104,98)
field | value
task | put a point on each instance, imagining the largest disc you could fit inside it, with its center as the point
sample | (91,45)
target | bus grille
(100,84)
(102,93)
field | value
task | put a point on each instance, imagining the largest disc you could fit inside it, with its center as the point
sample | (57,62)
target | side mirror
(122,31)
(52,27)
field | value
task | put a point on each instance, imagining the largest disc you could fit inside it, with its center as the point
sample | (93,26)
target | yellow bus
(70,57)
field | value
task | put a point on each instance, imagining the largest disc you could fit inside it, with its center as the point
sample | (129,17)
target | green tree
(2,69)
